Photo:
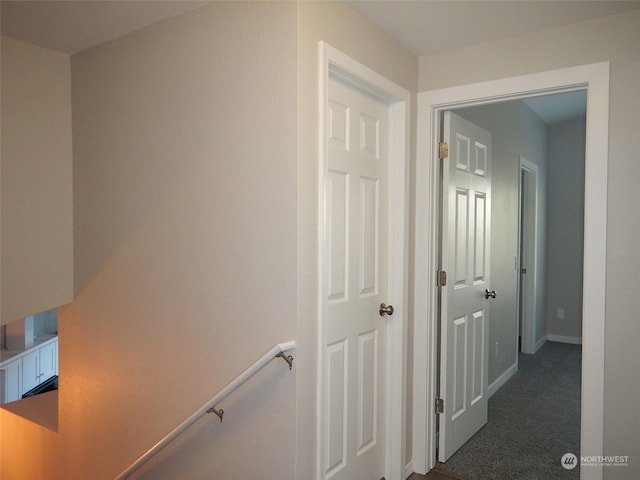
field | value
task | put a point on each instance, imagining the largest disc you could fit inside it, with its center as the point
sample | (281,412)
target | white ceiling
(74,25)
(559,107)
(425,27)
(429,27)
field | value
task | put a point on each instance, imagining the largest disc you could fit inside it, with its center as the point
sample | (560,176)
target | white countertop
(6,355)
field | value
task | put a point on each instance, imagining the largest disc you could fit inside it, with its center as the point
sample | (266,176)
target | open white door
(357,256)
(466,222)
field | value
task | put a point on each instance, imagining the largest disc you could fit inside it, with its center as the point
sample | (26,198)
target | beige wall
(188,233)
(613,39)
(341,27)
(185,256)
(36,245)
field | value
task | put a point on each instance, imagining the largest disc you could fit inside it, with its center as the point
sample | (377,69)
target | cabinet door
(30,370)
(12,381)
(48,360)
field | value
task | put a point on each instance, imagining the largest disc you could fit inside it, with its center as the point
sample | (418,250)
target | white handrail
(206,408)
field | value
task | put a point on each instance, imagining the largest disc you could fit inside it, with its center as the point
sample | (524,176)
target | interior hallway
(534,419)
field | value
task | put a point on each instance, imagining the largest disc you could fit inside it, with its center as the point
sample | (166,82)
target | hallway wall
(36,218)
(184,191)
(565,230)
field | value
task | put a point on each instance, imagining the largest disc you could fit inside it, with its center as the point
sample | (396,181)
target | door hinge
(443,150)
(439,405)
(442,278)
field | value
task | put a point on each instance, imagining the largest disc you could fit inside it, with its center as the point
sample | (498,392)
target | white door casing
(362,229)
(595,79)
(466,235)
(528,249)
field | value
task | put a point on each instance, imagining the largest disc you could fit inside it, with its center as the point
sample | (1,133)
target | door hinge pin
(443,150)
(441,278)
(439,405)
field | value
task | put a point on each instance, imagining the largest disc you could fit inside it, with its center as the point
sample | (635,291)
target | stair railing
(277,351)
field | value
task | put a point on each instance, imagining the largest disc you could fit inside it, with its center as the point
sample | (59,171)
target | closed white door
(356,284)
(466,222)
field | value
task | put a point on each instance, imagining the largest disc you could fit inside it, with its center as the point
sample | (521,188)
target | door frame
(334,63)
(594,78)
(528,332)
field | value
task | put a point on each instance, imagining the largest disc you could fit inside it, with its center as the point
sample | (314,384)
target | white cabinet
(48,361)
(38,365)
(30,370)
(27,370)
(11,381)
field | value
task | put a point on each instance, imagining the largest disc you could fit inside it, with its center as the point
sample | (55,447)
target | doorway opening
(593,79)
(534,222)
(527,255)
(29,368)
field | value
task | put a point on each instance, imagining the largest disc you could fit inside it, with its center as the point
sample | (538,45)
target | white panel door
(466,222)
(356,284)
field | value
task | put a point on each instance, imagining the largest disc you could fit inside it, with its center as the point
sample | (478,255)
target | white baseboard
(540,343)
(408,469)
(564,339)
(502,379)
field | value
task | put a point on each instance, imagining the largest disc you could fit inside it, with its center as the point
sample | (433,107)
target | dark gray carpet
(534,419)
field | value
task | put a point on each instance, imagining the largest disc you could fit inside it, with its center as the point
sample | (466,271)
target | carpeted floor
(534,419)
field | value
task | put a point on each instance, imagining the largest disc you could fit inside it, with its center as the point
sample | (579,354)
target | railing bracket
(219,412)
(286,358)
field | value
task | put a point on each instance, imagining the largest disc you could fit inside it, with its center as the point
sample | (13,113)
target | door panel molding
(595,79)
